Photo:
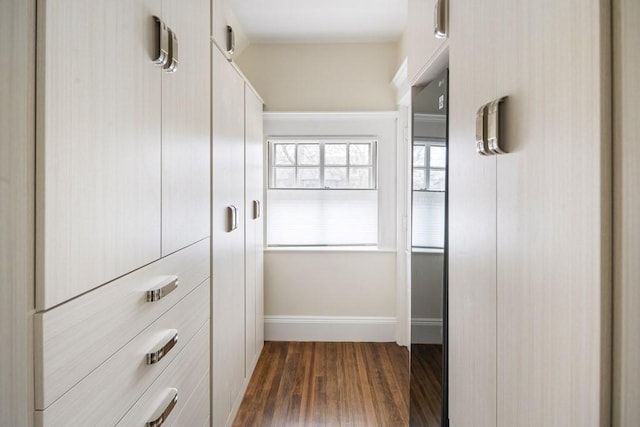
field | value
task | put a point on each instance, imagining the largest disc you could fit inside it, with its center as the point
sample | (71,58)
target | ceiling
(321,21)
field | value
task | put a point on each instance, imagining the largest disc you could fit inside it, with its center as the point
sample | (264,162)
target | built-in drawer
(75,338)
(106,394)
(181,394)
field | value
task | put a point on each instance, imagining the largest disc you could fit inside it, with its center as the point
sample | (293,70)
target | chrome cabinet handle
(231,41)
(440,19)
(172,65)
(481,142)
(159,420)
(163,289)
(493,127)
(157,355)
(162,42)
(232,220)
(256,209)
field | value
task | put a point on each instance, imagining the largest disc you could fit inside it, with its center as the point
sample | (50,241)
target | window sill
(427,251)
(326,249)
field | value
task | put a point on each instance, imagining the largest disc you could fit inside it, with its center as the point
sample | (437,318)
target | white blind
(427,226)
(322,217)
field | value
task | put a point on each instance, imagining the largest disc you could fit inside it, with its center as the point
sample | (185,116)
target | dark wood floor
(426,385)
(328,384)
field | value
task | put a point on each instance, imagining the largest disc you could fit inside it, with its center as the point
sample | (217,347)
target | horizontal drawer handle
(163,289)
(160,419)
(157,355)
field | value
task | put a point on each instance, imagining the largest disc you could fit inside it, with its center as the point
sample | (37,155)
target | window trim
(272,141)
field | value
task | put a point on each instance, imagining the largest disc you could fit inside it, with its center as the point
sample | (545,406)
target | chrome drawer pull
(172,63)
(157,422)
(165,288)
(157,355)
(256,209)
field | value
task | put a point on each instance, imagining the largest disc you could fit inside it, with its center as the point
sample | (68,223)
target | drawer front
(186,376)
(75,338)
(196,409)
(105,395)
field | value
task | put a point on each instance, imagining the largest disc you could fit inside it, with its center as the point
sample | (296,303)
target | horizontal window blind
(427,228)
(322,217)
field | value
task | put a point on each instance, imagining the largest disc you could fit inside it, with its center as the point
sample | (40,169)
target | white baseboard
(426,331)
(329,328)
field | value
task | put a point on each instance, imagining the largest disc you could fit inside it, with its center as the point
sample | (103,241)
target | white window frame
(322,142)
(427,143)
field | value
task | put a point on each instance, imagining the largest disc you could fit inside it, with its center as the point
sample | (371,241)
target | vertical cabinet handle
(493,127)
(232,218)
(231,41)
(172,64)
(163,289)
(162,42)
(160,418)
(162,350)
(481,141)
(440,19)
(256,209)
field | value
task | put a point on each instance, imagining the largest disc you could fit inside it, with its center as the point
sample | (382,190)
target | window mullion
(322,185)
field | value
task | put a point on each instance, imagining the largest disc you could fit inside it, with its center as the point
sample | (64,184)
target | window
(429,184)
(322,192)
(322,164)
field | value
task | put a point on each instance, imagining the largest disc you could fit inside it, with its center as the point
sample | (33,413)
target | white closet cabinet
(529,273)
(254,236)
(98,144)
(219,23)
(237,237)
(186,128)
(227,229)
(123,147)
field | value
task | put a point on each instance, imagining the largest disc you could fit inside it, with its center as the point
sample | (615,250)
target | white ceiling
(321,21)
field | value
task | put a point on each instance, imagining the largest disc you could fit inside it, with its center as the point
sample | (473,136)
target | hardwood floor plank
(328,384)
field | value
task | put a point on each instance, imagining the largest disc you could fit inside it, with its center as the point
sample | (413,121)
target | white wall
(328,294)
(322,77)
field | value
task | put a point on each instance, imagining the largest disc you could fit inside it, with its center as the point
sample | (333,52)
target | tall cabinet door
(98,144)
(186,128)
(530,279)
(254,240)
(227,250)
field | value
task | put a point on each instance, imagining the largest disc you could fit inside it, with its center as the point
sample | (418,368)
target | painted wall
(322,77)
(330,285)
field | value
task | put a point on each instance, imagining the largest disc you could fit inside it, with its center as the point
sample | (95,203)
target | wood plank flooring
(328,384)
(426,385)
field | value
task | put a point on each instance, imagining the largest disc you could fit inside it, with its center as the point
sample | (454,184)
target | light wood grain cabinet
(237,237)
(254,226)
(529,266)
(123,147)
(227,229)
(422,44)
(98,144)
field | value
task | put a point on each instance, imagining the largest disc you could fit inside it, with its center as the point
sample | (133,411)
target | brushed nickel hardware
(231,40)
(157,355)
(440,19)
(163,289)
(162,42)
(159,420)
(256,209)
(172,64)
(493,126)
(481,141)
(232,218)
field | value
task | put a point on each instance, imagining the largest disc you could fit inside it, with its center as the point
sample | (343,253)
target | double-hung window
(322,192)
(429,173)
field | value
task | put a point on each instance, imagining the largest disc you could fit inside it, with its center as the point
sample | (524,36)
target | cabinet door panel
(186,128)
(254,228)
(472,228)
(98,144)
(227,246)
